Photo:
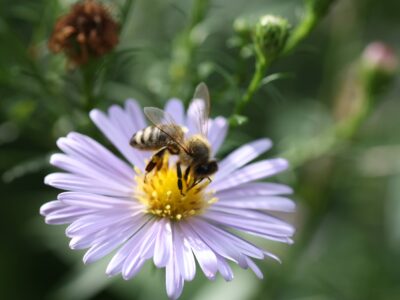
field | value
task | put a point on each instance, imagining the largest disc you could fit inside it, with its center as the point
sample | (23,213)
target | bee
(165,135)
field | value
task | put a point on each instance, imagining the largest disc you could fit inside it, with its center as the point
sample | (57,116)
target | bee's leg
(179,174)
(187,172)
(195,182)
(155,159)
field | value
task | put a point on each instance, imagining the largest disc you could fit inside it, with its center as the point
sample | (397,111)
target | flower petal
(163,244)
(224,269)
(221,248)
(73,182)
(175,108)
(183,252)
(88,152)
(116,264)
(241,156)
(254,171)
(255,189)
(254,268)
(204,255)
(90,224)
(57,213)
(87,200)
(194,116)
(119,139)
(173,280)
(108,243)
(134,261)
(225,241)
(249,221)
(217,133)
(258,202)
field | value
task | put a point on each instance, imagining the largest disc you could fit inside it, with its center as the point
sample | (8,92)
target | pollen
(159,192)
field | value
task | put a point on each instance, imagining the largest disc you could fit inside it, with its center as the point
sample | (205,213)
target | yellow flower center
(159,192)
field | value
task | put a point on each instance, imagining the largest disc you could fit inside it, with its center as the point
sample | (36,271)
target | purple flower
(110,207)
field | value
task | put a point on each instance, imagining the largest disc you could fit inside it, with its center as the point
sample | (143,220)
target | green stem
(88,87)
(261,68)
(302,30)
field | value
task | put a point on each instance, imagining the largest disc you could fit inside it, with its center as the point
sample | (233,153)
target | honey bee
(165,134)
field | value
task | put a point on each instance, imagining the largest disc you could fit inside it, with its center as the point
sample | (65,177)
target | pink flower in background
(110,207)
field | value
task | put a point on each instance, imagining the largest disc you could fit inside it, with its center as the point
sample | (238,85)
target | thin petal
(250,221)
(185,258)
(57,213)
(108,243)
(254,171)
(228,242)
(88,152)
(224,269)
(255,189)
(118,139)
(215,243)
(241,157)
(204,255)
(73,182)
(258,202)
(194,114)
(116,264)
(254,268)
(135,115)
(173,280)
(163,244)
(92,223)
(87,200)
(217,133)
(134,260)
(175,108)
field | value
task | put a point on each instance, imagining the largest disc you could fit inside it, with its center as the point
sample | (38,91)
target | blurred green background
(347,186)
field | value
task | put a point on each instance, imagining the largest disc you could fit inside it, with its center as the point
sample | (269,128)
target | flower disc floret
(159,192)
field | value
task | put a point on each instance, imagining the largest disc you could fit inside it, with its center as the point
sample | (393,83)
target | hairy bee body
(153,138)
(166,135)
(199,151)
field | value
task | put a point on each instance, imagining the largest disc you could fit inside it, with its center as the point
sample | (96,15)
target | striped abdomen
(149,138)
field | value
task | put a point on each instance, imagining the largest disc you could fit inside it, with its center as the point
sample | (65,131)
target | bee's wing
(201,105)
(159,118)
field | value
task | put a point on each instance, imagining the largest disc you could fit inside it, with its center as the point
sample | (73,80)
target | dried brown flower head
(88,30)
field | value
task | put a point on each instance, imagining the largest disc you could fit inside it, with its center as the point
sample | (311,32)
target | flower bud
(380,57)
(243,27)
(271,34)
(87,31)
(379,64)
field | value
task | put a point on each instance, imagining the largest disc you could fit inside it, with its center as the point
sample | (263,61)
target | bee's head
(206,169)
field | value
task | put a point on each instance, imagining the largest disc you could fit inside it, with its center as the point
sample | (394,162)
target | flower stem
(88,81)
(302,30)
(261,68)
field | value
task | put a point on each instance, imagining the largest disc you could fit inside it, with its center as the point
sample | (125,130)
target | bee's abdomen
(149,138)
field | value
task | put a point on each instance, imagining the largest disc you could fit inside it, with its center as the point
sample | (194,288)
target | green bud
(270,35)
(243,27)
(319,7)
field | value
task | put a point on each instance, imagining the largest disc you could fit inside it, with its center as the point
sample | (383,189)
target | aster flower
(88,30)
(110,206)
